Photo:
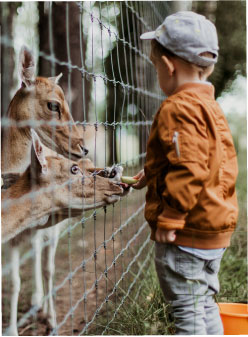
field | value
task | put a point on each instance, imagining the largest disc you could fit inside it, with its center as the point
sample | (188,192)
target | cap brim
(148,36)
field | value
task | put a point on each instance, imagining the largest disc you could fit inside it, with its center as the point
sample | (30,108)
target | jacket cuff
(170,224)
(171,219)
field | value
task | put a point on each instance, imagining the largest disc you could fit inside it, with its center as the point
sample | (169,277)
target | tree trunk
(177,6)
(7,13)
(125,65)
(53,21)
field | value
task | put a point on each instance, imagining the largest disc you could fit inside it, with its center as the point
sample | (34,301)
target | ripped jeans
(189,285)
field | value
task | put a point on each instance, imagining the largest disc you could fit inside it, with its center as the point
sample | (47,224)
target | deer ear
(56,78)
(37,153)
(26,66)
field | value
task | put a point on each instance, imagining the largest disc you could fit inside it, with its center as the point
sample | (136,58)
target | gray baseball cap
(187,35)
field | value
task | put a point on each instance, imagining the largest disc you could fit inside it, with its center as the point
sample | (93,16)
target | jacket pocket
(228,168)
(185,146)
(222,174)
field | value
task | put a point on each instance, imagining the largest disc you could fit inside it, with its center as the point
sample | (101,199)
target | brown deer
(41,102)
(48,185)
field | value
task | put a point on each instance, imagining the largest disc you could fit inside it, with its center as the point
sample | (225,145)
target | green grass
(233,272)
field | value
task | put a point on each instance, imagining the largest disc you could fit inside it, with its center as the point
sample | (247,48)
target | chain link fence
(112,92)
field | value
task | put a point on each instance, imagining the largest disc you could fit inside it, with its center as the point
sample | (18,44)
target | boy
(190,172)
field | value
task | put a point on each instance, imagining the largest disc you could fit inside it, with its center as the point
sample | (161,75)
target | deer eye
(53,106)
(75,169)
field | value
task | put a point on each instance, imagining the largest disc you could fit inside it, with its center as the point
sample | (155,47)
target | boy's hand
(163,236)
(142,180)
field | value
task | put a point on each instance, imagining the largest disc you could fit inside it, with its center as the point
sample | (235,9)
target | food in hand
(129,180)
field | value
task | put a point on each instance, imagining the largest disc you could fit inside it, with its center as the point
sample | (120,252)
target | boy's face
(166,82)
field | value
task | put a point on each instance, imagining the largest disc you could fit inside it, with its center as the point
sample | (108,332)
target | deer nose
(113,173)
(84,150)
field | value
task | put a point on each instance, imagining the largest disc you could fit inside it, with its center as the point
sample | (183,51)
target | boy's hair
(157,51)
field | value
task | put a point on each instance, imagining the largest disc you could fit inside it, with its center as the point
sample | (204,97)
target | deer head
(52,185)
(74,187)
(42,99)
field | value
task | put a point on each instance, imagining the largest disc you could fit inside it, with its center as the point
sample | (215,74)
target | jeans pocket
(160,252)
(213,266)
(189,265)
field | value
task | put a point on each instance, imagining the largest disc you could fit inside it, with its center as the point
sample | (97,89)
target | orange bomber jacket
(191,170)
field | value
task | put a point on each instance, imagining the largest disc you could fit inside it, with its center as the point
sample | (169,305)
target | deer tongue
(124,186)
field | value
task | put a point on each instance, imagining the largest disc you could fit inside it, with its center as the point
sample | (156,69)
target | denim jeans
(189,285)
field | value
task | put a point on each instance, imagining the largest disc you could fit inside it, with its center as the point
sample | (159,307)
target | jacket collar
(202,88)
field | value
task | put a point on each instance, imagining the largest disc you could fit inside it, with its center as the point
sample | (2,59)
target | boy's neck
(181,80)
(187,74)
(188,77)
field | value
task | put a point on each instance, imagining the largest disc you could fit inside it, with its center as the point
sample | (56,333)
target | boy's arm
(183,135)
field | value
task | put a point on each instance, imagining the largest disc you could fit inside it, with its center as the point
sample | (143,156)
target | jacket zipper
(175,141)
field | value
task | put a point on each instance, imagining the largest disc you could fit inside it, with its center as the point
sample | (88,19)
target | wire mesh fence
(90,263)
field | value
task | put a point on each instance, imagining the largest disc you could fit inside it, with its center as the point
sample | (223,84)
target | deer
(50,184)
(41,100)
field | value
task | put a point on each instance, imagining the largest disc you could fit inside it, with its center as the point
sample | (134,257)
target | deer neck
(16,148)
(22,211)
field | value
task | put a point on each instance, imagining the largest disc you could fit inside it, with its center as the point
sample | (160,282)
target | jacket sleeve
(183,135)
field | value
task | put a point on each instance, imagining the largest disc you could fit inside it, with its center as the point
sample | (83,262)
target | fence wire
(112,94)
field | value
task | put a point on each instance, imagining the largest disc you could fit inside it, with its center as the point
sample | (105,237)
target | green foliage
(233,272)
(231,27)
(230,21)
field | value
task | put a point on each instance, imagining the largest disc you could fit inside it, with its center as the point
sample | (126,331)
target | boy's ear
(169,64)
(209,71)
(38,159)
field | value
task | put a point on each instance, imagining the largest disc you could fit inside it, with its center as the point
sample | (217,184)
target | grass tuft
(144,311)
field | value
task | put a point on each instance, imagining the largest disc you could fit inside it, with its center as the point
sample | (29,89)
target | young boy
(190,172)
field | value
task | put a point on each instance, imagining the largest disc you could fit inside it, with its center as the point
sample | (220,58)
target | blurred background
(113,94)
